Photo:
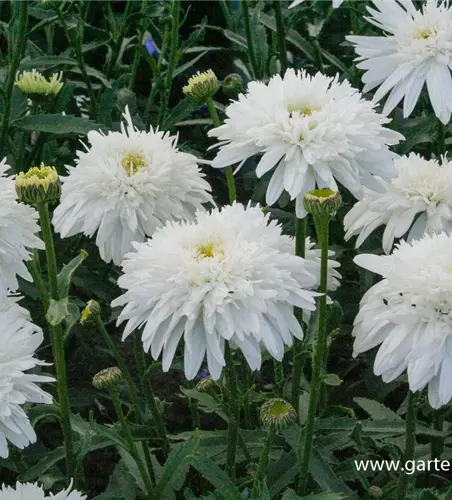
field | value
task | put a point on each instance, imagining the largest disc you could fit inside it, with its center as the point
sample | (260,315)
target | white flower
(19,339)
(231,276)
(416,49)
(30,491)
(410,313)
(336,3)
(315,130)
(18,229)
(423,189)
(313,263)
(127,184)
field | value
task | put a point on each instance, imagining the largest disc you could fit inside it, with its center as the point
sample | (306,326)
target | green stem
(263,461)
(300,244)
(247,382)
(437,444)
(173,57)
(410,442)
(149,394)
(448,494)
(307,436)
(194,409)
(233,427)
(279,377)
(118,42)
(38,281)
(441,139)
(229,174)
(318,51)
(281,36)
(17,51)
(137,56)
(249,38)
(57,339)
(131,444)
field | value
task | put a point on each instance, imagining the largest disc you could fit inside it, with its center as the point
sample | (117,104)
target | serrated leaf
(56,124)
(65,275)
(49,460)
(58,310)
(217,477)
(376,410)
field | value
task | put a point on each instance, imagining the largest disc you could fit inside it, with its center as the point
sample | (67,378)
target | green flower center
(208,251)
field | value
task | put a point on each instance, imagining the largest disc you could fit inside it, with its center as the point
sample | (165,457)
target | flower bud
(107,378)
(205,384)
(233,85)
(36,86)
(278,413)
(375,492)
(39,185)
(322,202)
(202,86)
(89,314)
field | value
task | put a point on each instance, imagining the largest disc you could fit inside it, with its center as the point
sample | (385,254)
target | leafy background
(97,46)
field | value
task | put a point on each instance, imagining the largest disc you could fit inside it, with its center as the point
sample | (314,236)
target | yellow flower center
(278,409)
(425,33)
(208,251)
(305,110)
(37,176)
(132,161)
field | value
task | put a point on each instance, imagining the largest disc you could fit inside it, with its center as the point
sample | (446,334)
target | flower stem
(131,444)
(441,139)
(281,36)
(118,42)
(137,56)
(149,394)
(57,339)
(307,436)
(229,175)
(16,52)
(233,428)
(249,38)
(300,243)
(263,460)
(279,376)
(173,57)
(410,442)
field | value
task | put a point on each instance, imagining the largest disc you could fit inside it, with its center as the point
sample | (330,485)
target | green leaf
(65,275)
(291,495)
(292,36)
(240,41)
(281,473)
(376,410)
(181,69)
(332,380)
(325,477)
(49,460)
(56,124)
(175,462)
(46,62)
(217,477)
(58,310)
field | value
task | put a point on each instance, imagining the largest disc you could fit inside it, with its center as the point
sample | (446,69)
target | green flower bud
(37,87)
(39,184)
(233,85)
(322,202)
(205,384)
(375,492)
(202,86)
(107,378)
(278,413)
(89,314)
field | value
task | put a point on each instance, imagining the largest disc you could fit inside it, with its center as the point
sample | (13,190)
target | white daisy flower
(19,339)
(314,129)
(30,491)
(422,189)
(313,263)
(125,185)
(336,3)
(410,314)
(416,49)
(18,229)
(231,276)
